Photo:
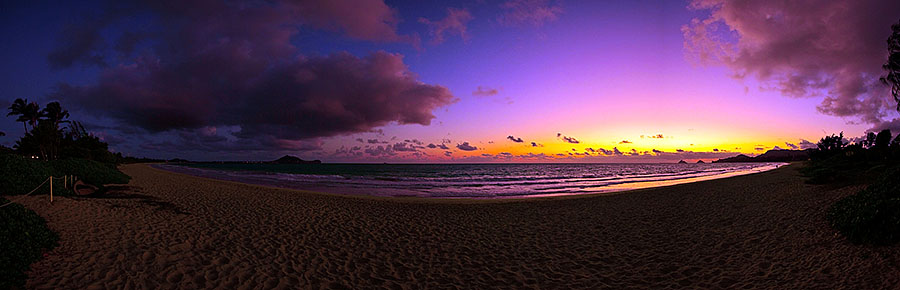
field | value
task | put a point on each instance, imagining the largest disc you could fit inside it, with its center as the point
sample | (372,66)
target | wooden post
(51,189)
(65,181)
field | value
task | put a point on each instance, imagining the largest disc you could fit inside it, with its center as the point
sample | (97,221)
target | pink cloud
(828,49)
(361,19)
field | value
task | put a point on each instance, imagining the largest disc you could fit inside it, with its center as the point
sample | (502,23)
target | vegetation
(19,175)
(892,66)
(871,216)
(46,149)
(24,237)
(90,171)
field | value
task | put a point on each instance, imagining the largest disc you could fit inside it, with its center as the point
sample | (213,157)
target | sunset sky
(453,81)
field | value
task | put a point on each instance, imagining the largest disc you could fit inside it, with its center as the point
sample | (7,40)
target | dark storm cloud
(802,48)
(302,99)
(514,139)
(466,147)
(232,64)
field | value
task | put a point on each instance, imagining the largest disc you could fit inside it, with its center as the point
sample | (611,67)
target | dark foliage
(24,237)
(871,216)
(892,66)
(90,171)
(120,159)
(19,175)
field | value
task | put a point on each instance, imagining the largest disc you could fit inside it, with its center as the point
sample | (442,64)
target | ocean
(467,180)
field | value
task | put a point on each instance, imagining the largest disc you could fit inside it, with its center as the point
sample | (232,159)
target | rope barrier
(29,193)
(50,179)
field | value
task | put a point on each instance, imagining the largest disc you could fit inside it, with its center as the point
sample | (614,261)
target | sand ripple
(166,230)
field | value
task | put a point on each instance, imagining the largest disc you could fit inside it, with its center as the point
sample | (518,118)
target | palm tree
(18,108)
(32,114)
(54,113)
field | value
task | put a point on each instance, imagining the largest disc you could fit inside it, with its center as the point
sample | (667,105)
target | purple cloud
(791,145)
(567,138)
(535,144)
(404,147)
(440,146)
(529,12)
(625,142)
(484,92)
(805,144)
(294,100)
(466,147)
(454,23)
(833,49)
(514,139)
(200,70)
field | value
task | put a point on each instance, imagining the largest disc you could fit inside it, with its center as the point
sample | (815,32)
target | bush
(871,216)
(90,171)
(19,175)
(24,236)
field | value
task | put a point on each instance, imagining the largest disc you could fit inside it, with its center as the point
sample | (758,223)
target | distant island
(778,155)
(288,159)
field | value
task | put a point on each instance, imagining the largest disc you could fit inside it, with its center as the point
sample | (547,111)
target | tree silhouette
(18,108)
(883,139)
(55,113)
(893,64)
(869,141)
(831,144)
(31,114)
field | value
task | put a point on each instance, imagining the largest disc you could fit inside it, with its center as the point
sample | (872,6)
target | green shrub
(871,216)
(19,175)
(24,237)
(90,171)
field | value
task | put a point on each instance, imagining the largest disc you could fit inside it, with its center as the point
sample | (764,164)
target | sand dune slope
(169,230)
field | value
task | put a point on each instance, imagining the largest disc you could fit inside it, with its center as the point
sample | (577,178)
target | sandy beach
(170,230)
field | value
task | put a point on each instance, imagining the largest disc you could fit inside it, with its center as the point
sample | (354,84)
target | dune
(169,230)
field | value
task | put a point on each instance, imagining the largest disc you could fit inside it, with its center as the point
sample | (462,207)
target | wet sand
(168,230)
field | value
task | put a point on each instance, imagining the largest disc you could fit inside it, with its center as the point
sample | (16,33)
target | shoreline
(166,229)
(628,183)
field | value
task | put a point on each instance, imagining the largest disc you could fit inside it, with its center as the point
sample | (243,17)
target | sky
(453,81)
